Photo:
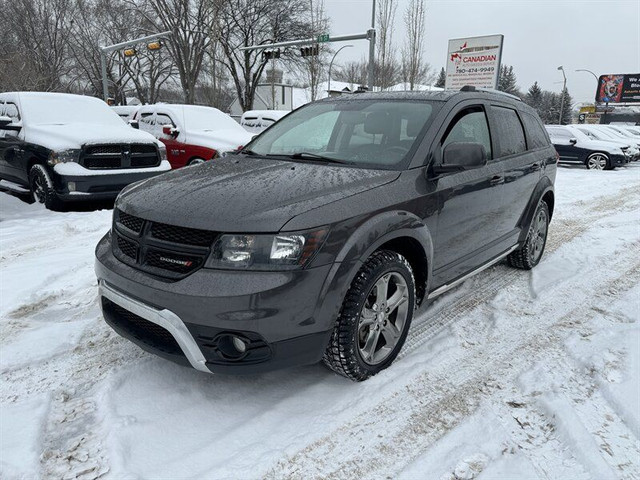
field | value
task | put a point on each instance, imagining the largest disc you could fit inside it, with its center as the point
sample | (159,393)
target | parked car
(320,238)
(126,112)
(71,147)
(256,121)
(192,134)
(577,148)
(594,132)
(625,136)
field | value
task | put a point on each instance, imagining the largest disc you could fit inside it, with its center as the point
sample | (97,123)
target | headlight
(163,152)
(64,156)
(286,251)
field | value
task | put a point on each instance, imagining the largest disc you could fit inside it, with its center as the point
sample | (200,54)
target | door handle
(536,166)
(497,180)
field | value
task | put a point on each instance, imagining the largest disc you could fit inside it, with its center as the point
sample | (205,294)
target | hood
(76,135)
(221,140)
(609,147)
(243,194)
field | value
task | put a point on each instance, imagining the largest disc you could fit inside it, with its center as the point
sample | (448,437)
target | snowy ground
(527,375)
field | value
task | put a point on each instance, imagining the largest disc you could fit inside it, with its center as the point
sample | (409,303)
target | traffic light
(270,54)
(157,45)
(311,51)
(130,52)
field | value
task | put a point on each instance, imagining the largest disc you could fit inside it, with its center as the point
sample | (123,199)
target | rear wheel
(375,317)
(41,188)
(529,255)
(598,161)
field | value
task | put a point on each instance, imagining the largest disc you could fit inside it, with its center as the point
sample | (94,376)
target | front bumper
(98,186)
(281,316)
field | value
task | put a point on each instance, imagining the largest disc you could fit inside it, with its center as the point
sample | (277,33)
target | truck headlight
(283,251)
(64,156)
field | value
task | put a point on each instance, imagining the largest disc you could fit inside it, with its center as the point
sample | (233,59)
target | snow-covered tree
(442,76)
(507,81)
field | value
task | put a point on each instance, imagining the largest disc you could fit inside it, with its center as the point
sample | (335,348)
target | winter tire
(598,161)
(529,255)
(375,317)
(41,188)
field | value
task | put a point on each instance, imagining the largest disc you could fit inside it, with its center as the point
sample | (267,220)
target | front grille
(127,248)
(105,157)
(163,250)
(189,236)
(129,221)
(143,330)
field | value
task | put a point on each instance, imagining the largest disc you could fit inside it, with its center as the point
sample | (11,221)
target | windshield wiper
(303,155)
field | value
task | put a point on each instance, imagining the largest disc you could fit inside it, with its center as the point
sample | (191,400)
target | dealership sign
(619,88)
(474,61)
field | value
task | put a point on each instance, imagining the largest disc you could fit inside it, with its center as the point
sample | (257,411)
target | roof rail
(471,88)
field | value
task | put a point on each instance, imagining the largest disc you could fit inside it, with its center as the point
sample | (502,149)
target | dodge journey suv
(323,236)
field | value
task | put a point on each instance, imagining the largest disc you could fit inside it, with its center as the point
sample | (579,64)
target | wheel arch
(543,191)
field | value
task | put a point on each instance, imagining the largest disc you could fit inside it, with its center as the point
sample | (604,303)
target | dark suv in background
(321,238)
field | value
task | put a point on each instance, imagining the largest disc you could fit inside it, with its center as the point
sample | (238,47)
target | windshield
(208,119)
(372,133)
(64,109)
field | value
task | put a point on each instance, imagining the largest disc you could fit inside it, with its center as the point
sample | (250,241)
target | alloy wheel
(538,235)
(383,318)
(597,162)
(38,188)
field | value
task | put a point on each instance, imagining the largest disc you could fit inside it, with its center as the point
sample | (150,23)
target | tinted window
(559,132)
(510,133)
(469,126)
(537,135)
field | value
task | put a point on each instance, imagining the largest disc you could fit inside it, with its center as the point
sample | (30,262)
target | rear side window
(537,135)
(469,126)
(509,131)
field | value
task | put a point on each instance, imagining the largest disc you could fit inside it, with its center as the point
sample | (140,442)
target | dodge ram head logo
(175,261)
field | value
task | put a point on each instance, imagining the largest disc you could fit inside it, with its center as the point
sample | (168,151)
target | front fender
(368,237)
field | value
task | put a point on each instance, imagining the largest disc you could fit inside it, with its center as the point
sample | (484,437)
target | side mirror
(134,124)
(170,130)
(461,156)
(573,141)
(6,124)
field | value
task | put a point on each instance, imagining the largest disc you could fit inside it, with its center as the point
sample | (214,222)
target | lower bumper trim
(164,318)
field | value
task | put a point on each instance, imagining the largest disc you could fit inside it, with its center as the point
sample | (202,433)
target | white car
(602,133)
(257,121)
(192,134)
(72,147)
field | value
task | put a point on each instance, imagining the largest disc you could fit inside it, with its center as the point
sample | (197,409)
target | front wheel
(41,188)
(597,161)
(196,161)
(529,255)
(375,317)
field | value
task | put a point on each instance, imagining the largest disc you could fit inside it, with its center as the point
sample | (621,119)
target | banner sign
(619,88)
(474,61)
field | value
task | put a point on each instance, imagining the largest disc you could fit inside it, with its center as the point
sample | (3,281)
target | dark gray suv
(322,237)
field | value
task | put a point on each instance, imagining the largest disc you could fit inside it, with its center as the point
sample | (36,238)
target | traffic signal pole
(369,35)
(110,48)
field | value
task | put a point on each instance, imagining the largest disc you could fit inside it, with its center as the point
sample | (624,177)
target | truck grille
(105,157)
(163,250)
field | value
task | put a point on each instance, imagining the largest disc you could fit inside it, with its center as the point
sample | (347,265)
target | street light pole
(564,88)
(372,43)
(331,64)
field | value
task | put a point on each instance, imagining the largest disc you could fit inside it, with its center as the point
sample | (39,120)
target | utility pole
(372,43)
(564,89)
(110,48)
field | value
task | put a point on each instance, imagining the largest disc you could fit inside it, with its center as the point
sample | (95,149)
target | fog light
(239,345)
(71,186)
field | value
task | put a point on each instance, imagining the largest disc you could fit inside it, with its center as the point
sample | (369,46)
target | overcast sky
(602,36)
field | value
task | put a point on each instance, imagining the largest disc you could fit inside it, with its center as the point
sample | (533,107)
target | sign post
(474,61)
